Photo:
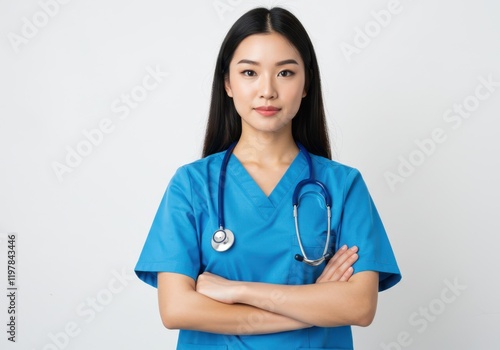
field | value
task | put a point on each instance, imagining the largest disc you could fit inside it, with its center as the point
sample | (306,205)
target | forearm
(191,310)
(337,298)
(326,304)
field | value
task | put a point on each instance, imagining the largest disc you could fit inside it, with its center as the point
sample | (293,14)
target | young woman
(243,249)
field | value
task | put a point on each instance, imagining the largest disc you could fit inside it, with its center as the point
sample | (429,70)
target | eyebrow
(280,63)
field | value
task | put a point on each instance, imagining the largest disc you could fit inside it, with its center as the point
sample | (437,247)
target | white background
(79,230)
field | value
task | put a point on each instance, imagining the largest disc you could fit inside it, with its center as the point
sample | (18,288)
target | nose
(267,88)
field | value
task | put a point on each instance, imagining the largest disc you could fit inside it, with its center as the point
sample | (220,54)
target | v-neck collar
(295,172)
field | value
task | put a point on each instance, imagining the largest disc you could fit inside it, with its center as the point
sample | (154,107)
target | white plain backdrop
(101,101)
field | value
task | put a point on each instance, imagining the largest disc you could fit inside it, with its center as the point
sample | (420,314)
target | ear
(306,85)
(227,86)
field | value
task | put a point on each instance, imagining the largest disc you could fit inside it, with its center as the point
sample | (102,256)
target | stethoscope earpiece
(299,257)
(314,262)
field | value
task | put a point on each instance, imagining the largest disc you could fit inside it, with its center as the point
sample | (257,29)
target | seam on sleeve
(352,173)
(190,188)
(345,190)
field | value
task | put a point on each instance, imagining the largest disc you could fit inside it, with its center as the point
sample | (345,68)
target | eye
(248,73)
(285,73)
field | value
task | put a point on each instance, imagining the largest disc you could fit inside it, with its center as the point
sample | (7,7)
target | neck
(266,150)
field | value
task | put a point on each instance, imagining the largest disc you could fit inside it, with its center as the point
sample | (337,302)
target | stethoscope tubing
(222,183)
(223,238)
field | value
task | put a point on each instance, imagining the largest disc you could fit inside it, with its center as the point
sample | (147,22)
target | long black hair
(309,125)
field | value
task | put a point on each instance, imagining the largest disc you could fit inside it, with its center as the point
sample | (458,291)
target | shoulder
(342,179)
(199,171)
(191,179)
(334,168)
(202,164)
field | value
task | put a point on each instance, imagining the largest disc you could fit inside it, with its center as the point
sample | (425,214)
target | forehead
(271,47)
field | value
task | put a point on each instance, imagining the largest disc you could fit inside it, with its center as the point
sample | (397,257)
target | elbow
(365,315)
(357,315)
(175,296)
(173,317)
(169,324)
(365,319)
(169,321)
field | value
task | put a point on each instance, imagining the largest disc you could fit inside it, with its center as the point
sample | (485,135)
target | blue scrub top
(265,240)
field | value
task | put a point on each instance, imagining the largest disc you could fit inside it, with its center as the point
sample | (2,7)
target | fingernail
(344,247)
(354,249)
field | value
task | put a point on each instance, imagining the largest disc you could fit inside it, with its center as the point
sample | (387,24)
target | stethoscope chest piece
(222,239)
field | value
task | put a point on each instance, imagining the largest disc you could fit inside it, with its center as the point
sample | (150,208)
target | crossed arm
(217,305)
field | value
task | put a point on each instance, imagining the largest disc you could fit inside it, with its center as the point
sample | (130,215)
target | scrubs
(265,240)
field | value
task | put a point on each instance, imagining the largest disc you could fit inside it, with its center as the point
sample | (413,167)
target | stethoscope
(223,238)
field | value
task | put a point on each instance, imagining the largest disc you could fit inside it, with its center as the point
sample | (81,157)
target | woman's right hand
(339,268)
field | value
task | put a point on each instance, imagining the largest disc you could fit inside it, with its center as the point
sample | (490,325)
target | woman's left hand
(216,287)
(339,268)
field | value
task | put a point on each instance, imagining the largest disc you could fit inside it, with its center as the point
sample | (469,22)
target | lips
(267,110)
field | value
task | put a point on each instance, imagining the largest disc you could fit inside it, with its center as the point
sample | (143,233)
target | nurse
(267,101)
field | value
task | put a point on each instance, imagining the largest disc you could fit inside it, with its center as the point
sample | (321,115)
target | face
(266,81)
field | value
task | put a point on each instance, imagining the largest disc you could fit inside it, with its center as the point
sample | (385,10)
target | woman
(246,291)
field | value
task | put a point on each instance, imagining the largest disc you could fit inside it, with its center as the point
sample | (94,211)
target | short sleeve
(172,244)
(361,226)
